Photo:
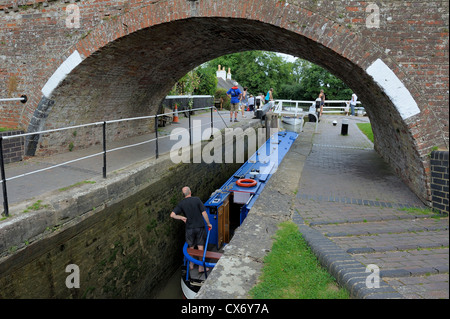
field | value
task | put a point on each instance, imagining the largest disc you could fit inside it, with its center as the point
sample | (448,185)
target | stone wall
(117,231)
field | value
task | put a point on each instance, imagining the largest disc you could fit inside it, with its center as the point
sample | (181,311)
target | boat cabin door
(223,222)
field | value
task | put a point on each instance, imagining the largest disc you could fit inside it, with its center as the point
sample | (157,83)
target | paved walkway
(352,197)
(35,185)
(346,193)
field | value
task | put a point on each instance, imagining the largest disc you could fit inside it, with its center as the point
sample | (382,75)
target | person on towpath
(235,95)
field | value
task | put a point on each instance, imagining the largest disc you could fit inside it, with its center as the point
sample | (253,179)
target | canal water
(172,289)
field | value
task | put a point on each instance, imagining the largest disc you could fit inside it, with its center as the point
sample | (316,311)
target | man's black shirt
(192,208)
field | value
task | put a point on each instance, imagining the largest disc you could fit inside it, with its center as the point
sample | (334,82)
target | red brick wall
(133,51)
(12,147)
(439,181)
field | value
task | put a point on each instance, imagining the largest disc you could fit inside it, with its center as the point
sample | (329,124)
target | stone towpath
(33,186)
(353,199)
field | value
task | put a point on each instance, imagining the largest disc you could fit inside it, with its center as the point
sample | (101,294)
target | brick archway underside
(130,76)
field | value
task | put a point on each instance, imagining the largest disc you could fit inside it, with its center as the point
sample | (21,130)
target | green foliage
(208,81)
(75,185)
(418,211)
(292,91)
(222,93)
(299,80)
(187,84)
(314,78)
(5,129)
(36,206)
(200,81)
(262,70)
(257,70)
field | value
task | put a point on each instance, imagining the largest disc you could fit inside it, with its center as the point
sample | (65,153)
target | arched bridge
(84,61)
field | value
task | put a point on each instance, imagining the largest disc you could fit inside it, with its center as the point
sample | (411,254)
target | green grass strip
(366,128)
(75,185)
(292,271)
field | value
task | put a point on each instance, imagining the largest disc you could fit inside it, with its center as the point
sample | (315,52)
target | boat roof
(259,167)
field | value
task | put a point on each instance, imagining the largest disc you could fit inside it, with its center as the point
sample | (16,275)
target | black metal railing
(104,152)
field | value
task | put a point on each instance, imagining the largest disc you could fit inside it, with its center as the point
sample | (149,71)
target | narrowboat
(228,207)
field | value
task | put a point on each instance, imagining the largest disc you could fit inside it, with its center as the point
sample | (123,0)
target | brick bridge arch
(123,61)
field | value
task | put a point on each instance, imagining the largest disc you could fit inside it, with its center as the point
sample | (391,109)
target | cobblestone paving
(349,194)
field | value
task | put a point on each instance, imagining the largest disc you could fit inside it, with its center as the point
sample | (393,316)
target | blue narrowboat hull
(228,206)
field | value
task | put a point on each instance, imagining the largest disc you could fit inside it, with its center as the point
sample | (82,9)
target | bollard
(274,121)
(271,124)
(344,128)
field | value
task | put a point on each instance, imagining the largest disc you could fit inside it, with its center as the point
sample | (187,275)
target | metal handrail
(22,99)
(52,130)
(101,123)
(313,103)
(279,110)
(104,152)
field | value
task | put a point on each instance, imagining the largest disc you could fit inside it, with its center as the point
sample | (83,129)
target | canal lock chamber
(125,245)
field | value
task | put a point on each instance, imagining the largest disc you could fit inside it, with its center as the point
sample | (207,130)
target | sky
(288,57)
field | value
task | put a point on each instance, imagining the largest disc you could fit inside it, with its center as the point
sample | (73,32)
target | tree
(208,81)
(262,70)
(314,78)
(187,84)
(292,91)
(257,70)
